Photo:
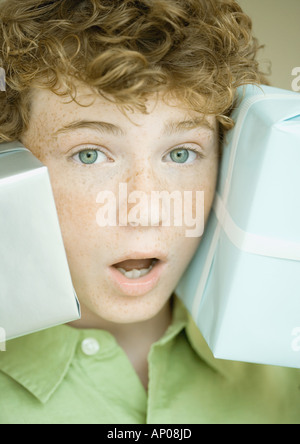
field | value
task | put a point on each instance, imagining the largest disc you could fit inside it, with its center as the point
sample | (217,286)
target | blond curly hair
(125,50)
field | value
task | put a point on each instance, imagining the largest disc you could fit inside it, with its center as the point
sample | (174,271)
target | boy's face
(145,152)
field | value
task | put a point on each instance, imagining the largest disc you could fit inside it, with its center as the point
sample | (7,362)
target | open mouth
(137,277)
(136,268)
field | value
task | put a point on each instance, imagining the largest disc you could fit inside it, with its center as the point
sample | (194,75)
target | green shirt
(65,375)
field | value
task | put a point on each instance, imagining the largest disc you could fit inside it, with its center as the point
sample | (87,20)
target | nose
(143,207)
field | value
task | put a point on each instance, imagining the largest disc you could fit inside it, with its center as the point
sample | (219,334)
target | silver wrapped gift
(36,290)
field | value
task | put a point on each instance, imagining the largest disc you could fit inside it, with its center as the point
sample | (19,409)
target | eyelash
(88,148)
(199,154)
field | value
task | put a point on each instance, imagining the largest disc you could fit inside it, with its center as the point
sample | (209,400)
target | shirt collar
(40,361)
(231,370)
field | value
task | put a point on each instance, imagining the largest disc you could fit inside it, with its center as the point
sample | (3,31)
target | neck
(135,339)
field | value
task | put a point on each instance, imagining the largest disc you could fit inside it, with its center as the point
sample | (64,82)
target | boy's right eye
(89,157)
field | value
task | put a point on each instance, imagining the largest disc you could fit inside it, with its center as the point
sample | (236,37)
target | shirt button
(90,346)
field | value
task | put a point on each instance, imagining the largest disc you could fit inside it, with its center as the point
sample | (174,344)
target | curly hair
(125,50)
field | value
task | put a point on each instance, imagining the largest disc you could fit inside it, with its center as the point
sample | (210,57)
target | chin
(125,310)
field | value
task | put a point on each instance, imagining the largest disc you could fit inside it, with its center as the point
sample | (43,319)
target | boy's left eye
(183,155)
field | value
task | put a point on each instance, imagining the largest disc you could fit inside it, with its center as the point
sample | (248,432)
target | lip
(140,286)
(162,257)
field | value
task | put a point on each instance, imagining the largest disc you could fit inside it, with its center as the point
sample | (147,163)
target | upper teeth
(135,274)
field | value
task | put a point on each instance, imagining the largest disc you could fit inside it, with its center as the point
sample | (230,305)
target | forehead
(55,112)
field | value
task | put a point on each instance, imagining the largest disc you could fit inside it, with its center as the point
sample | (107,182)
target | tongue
(138,264)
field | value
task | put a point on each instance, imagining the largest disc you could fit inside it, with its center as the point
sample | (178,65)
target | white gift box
(243,284)
(36,290)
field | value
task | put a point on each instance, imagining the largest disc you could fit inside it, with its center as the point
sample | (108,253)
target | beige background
(276,23)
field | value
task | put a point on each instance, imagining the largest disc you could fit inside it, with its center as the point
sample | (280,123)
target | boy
(110,92)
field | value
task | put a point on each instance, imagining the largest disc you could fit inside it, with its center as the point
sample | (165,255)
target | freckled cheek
(77,209)
(188,246)
(209,193)
(208,186)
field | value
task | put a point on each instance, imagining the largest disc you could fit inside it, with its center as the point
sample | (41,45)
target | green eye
(88,157)
(180,155)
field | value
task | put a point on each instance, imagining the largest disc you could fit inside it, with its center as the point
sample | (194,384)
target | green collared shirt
(70,376)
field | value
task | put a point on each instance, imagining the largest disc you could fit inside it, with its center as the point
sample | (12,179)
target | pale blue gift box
(36,290)
(243,284)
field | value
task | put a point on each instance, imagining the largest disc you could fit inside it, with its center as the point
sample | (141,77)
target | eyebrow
(171,127)
(174,127)
(103,127)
